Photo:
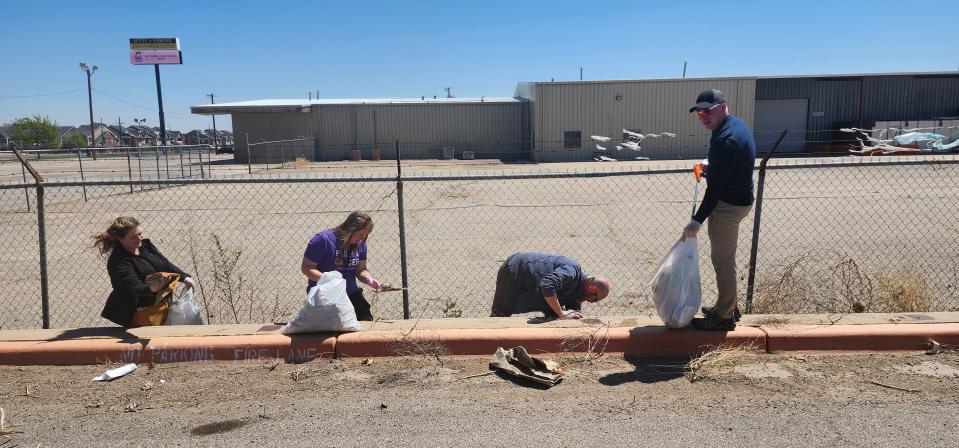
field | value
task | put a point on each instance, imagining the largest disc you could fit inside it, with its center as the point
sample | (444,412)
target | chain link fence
(836,235)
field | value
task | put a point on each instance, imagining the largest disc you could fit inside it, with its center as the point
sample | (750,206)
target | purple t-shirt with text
(322,249)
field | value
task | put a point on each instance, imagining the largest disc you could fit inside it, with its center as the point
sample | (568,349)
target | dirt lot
(737,399)
(893,222)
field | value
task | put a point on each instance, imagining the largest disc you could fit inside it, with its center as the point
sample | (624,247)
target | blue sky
(243,50)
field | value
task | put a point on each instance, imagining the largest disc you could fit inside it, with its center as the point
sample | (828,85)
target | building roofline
(726,78)
(301,105)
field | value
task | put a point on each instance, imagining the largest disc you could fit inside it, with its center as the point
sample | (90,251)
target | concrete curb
(298,348)
(252,343)
(860,337)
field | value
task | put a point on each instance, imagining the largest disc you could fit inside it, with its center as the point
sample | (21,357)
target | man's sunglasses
(703,112)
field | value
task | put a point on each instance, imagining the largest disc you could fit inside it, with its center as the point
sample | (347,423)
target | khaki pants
(723,229)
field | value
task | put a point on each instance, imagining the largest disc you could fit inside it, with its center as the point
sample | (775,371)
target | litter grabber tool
(698,173)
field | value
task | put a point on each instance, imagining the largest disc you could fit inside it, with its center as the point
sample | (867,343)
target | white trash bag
(676,286)
(326,308)
(184,310)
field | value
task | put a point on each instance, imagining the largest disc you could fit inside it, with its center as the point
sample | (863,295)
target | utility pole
(581,73)
(214,125)
(308,93)
(684,69)
(89,70)
(449,92)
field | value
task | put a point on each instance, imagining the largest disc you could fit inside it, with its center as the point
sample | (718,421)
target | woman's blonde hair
(356,221)
(107,240)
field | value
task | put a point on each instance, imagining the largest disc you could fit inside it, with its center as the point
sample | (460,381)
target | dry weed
(297,163)
(586,346)
(3,428)
(715,361)
(834,282)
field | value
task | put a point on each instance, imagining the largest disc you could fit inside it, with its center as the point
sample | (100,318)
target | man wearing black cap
(728,199)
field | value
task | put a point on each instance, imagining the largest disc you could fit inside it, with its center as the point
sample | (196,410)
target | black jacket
(127,275)
(536,275)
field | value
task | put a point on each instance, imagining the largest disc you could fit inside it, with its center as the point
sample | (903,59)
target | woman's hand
(155,284)
(189,283)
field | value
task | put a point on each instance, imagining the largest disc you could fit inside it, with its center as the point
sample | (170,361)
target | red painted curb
(640,341)
(295,348)
(661,341)
(861,337)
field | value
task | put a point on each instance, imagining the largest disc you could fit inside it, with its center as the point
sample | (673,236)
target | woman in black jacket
(131,260)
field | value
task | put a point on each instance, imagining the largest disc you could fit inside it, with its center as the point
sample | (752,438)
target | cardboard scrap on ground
(519,364)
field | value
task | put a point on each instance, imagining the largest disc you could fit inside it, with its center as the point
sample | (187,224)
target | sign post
(156,51)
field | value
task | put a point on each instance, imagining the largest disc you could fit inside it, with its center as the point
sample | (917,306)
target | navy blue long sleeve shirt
(729,176)
(537,275)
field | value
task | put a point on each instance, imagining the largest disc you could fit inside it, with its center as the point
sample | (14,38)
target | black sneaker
(713,323)
(711,311)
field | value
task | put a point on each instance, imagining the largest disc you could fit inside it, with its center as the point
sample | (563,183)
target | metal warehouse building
(553,121)
(427,128)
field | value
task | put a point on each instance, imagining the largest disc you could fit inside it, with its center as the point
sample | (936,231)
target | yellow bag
(155,314)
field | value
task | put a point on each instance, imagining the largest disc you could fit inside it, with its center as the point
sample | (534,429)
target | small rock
(382,405)
(147,386)
(130,407)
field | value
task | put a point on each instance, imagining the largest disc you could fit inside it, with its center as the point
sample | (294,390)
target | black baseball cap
(708,98)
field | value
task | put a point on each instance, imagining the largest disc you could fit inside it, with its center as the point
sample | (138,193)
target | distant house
(126,138)
(197,137)
(105,136)
(174,137)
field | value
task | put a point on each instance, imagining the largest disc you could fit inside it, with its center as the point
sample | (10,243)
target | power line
(65,92)
(137,105)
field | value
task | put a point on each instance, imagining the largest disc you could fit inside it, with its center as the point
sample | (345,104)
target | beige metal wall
(490,130)
(651,106)
(258,127)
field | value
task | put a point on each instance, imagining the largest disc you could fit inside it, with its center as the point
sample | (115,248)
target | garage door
(772,116)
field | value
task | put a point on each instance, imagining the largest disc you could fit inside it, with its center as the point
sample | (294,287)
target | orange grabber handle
(698,171)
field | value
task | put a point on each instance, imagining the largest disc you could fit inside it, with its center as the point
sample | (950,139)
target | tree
(76,141)
(38,131)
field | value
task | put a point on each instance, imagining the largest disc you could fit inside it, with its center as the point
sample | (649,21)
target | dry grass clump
(293,164)
(834,282)
(716,361)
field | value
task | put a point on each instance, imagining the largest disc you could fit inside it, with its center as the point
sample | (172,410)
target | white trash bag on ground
(677,292)
(326,308)
(184,310)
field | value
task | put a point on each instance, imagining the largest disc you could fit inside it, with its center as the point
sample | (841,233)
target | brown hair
(107,240)
(355,222)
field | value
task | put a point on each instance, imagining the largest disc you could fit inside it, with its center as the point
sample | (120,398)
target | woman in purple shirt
(343,249)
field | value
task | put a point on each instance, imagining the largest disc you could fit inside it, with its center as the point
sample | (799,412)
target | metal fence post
(156,153)
(42,239)
(399,204)
(249,156)
(130,170)
(26,191)
(757,218)
(42,236)
(82,179)
(140,166)
(166,159)
(189,161)
(181,164)
(202,175)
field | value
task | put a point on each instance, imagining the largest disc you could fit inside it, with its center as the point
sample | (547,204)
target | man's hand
(691,230)
(189,283)
(571,314)
(374,283)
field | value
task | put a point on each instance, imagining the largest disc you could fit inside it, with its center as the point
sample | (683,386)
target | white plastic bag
(326,308)
(676,286)
(184,310)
